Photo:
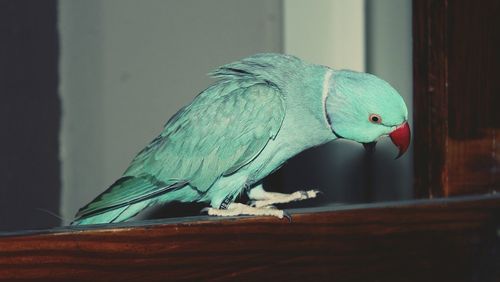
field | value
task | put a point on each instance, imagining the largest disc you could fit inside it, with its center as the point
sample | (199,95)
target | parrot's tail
(115,215)
(130,195)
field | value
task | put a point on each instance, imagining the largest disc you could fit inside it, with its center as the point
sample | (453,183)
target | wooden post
(456,90)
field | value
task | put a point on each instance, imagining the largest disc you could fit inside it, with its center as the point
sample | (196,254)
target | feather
(223,129)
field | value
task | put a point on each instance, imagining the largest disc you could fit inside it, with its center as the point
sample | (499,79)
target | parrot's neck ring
(324,96)
(326,88)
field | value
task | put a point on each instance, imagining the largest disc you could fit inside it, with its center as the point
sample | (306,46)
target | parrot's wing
(223,129)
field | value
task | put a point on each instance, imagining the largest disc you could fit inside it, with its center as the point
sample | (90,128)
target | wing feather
(222,130)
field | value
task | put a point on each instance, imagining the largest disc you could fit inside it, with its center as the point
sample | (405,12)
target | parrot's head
(363,107)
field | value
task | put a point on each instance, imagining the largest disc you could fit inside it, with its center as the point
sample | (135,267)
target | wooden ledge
(455,239)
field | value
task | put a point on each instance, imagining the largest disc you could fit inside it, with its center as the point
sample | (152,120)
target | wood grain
(456,117)
(422,241)
(473,164)
(430,97)
(474,67)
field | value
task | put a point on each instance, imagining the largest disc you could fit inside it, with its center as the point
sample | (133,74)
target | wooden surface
(427,240)
(456,102)
(474,96)
(430,97)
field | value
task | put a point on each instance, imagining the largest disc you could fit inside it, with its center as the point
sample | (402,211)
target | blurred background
(85,85)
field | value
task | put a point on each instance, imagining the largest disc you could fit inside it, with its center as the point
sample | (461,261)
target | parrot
(261,111)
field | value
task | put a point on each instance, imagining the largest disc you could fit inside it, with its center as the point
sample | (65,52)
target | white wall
(127,66)
(326,32)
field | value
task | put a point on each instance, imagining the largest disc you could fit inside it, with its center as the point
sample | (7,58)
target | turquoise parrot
(261,111)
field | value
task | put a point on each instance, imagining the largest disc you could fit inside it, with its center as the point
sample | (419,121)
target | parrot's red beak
(401,138)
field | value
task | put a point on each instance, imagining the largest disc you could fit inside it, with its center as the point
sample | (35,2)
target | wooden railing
(455,239)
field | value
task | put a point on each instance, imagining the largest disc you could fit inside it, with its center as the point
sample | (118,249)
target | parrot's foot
(270,198)
(235,209)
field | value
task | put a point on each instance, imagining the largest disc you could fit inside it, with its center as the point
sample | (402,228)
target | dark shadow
(29,114)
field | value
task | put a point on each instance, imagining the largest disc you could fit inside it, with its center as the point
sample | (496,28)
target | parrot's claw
(288,216)
(270,207)
(254,204)
(235,209)
(279,198)
(204,210)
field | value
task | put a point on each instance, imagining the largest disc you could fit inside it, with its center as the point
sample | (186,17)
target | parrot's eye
(374,118)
